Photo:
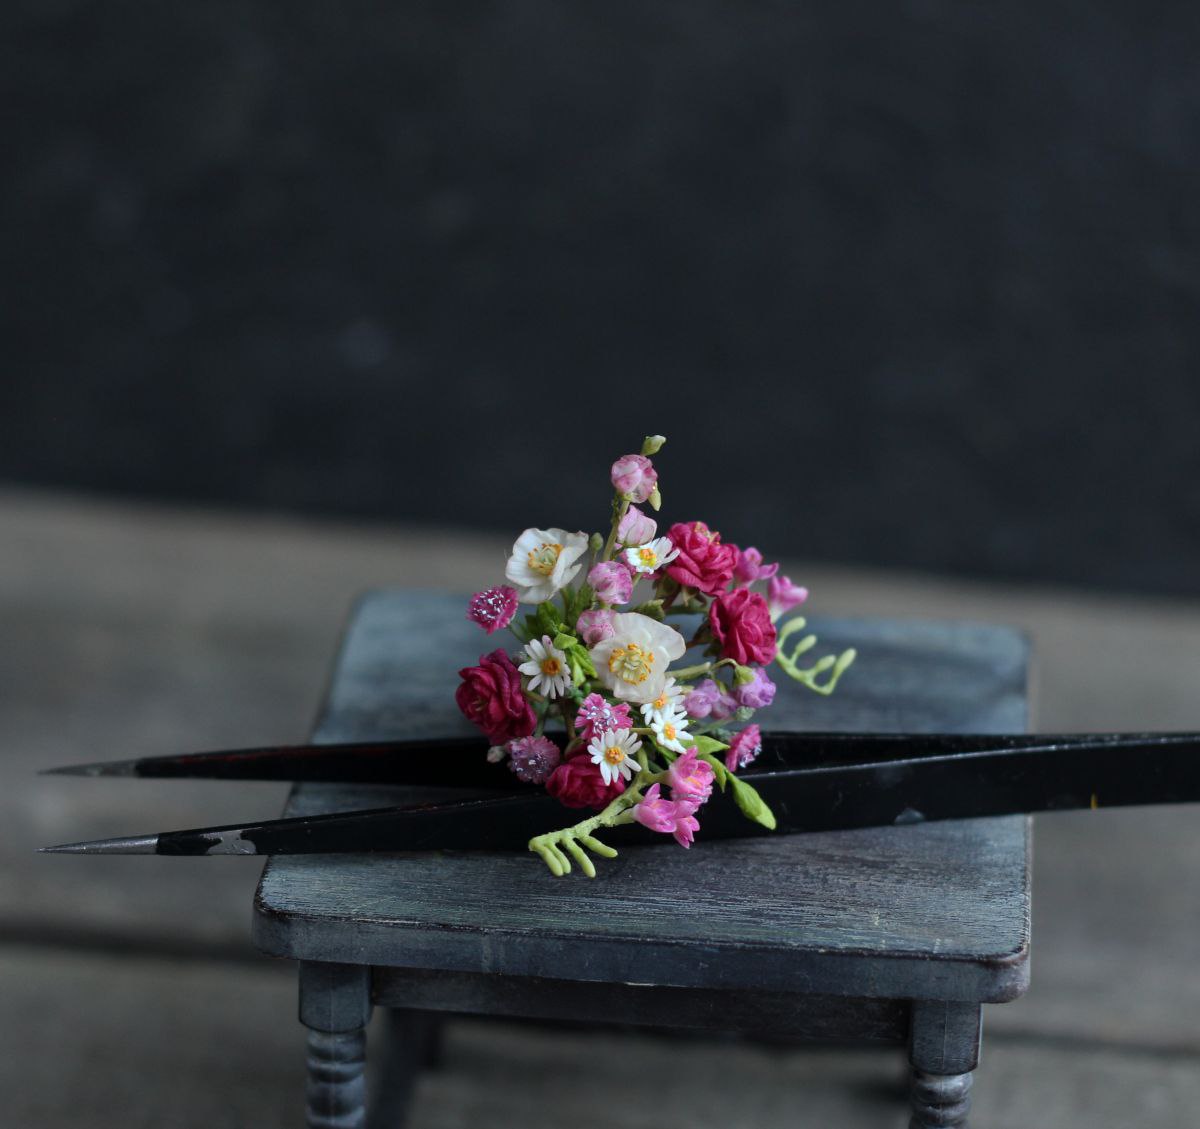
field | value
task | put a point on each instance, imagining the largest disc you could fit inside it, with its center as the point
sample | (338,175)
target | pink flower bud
(655,812)
(636,528)
(634,477)
(750,567)
(612,582)
(595,627)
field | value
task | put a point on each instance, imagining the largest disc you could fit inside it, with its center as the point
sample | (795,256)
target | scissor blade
(1109,773)
(462,762)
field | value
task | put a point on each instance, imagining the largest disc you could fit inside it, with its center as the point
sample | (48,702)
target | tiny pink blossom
(636,528)
(597,715)
(710,699)
(532,759)
(686,826)
(757,694)
(744,748)
(783,595)
(634,477)
(750,567)
(493,608)
(612,582)
(595,627)
(656,812)
(691,779)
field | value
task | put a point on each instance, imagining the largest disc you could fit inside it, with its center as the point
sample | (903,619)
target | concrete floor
(129,994)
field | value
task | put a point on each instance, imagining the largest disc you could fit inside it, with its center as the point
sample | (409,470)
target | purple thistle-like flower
(532,759)
(597,715)
(493,608)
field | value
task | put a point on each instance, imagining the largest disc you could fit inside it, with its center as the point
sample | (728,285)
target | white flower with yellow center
(651,556)
(670,732)
(543,561)
(668,703)
(633,662)
(547,668)
(615,751)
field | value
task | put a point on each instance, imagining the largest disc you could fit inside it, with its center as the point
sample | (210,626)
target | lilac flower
(757,694)
(710,699)
(750,567)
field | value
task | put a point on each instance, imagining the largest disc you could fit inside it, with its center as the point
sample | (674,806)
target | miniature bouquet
(590,708)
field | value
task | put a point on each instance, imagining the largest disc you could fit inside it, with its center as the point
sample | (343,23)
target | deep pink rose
(490,696)
(703,562)
(577,783)
(742,625)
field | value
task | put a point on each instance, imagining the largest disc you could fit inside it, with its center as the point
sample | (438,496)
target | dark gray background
(912,285)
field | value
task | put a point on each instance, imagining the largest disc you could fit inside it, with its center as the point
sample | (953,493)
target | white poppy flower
(544,561)
(615,751)
(670,730)
(668,703)
(547,668)
(651,556)
(633,663)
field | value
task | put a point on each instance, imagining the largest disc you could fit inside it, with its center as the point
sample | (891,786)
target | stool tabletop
(929,911)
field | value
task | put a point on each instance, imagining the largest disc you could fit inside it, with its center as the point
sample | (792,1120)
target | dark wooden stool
(887,935)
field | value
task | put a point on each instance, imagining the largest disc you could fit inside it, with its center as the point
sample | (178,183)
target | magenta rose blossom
(612,582)
(742,625)
(703,562)
(577,783)
(634,477)
(493,608)
(490,697)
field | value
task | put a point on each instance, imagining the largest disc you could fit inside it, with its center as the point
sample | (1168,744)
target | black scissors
(812,781)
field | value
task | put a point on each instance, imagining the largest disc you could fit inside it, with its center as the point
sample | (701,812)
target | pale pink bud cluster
(636,528)
(612,582)
(634,477)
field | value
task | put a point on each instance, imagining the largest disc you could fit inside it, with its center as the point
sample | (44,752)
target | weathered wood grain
(938,911)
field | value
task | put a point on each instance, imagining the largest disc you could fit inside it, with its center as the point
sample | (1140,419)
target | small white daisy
(614,751)
(651,556)
(669,702)
(669,732)
(547,668)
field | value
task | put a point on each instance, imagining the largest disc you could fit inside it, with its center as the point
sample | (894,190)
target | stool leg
(335,1005)
(944,1051)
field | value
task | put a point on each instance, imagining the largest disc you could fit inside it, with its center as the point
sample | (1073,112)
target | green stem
(618,513)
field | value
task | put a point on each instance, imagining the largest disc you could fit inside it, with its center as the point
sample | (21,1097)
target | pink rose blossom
(491,697)
(744,748)
(703,562)
(709,699)
(597,715)
(532,759)
(742,625)
(783,595)
(691,779)
(750,567)
(612,582)
(634,477)
(655,811)
(636,528)
(577,783)
(757,694)
(493,608)
(595,627)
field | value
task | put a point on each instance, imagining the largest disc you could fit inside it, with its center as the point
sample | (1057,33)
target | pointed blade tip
(138,845)
(97,768)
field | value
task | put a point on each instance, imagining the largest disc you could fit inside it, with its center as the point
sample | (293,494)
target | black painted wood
(929,912)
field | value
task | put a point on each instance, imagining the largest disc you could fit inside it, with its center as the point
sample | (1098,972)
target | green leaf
(722,773)
(563,641)
(652,608)
(577,653)
(548,620)
(705,744)
(751,803)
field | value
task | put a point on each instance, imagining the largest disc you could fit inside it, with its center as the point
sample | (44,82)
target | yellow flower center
(545,557)
(614,754)
(551,666)
(631,663)
(660,703)
(669,731)
(648,555)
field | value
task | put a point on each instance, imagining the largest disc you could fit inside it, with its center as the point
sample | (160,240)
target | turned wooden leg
(335,1005)
(944,1051)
